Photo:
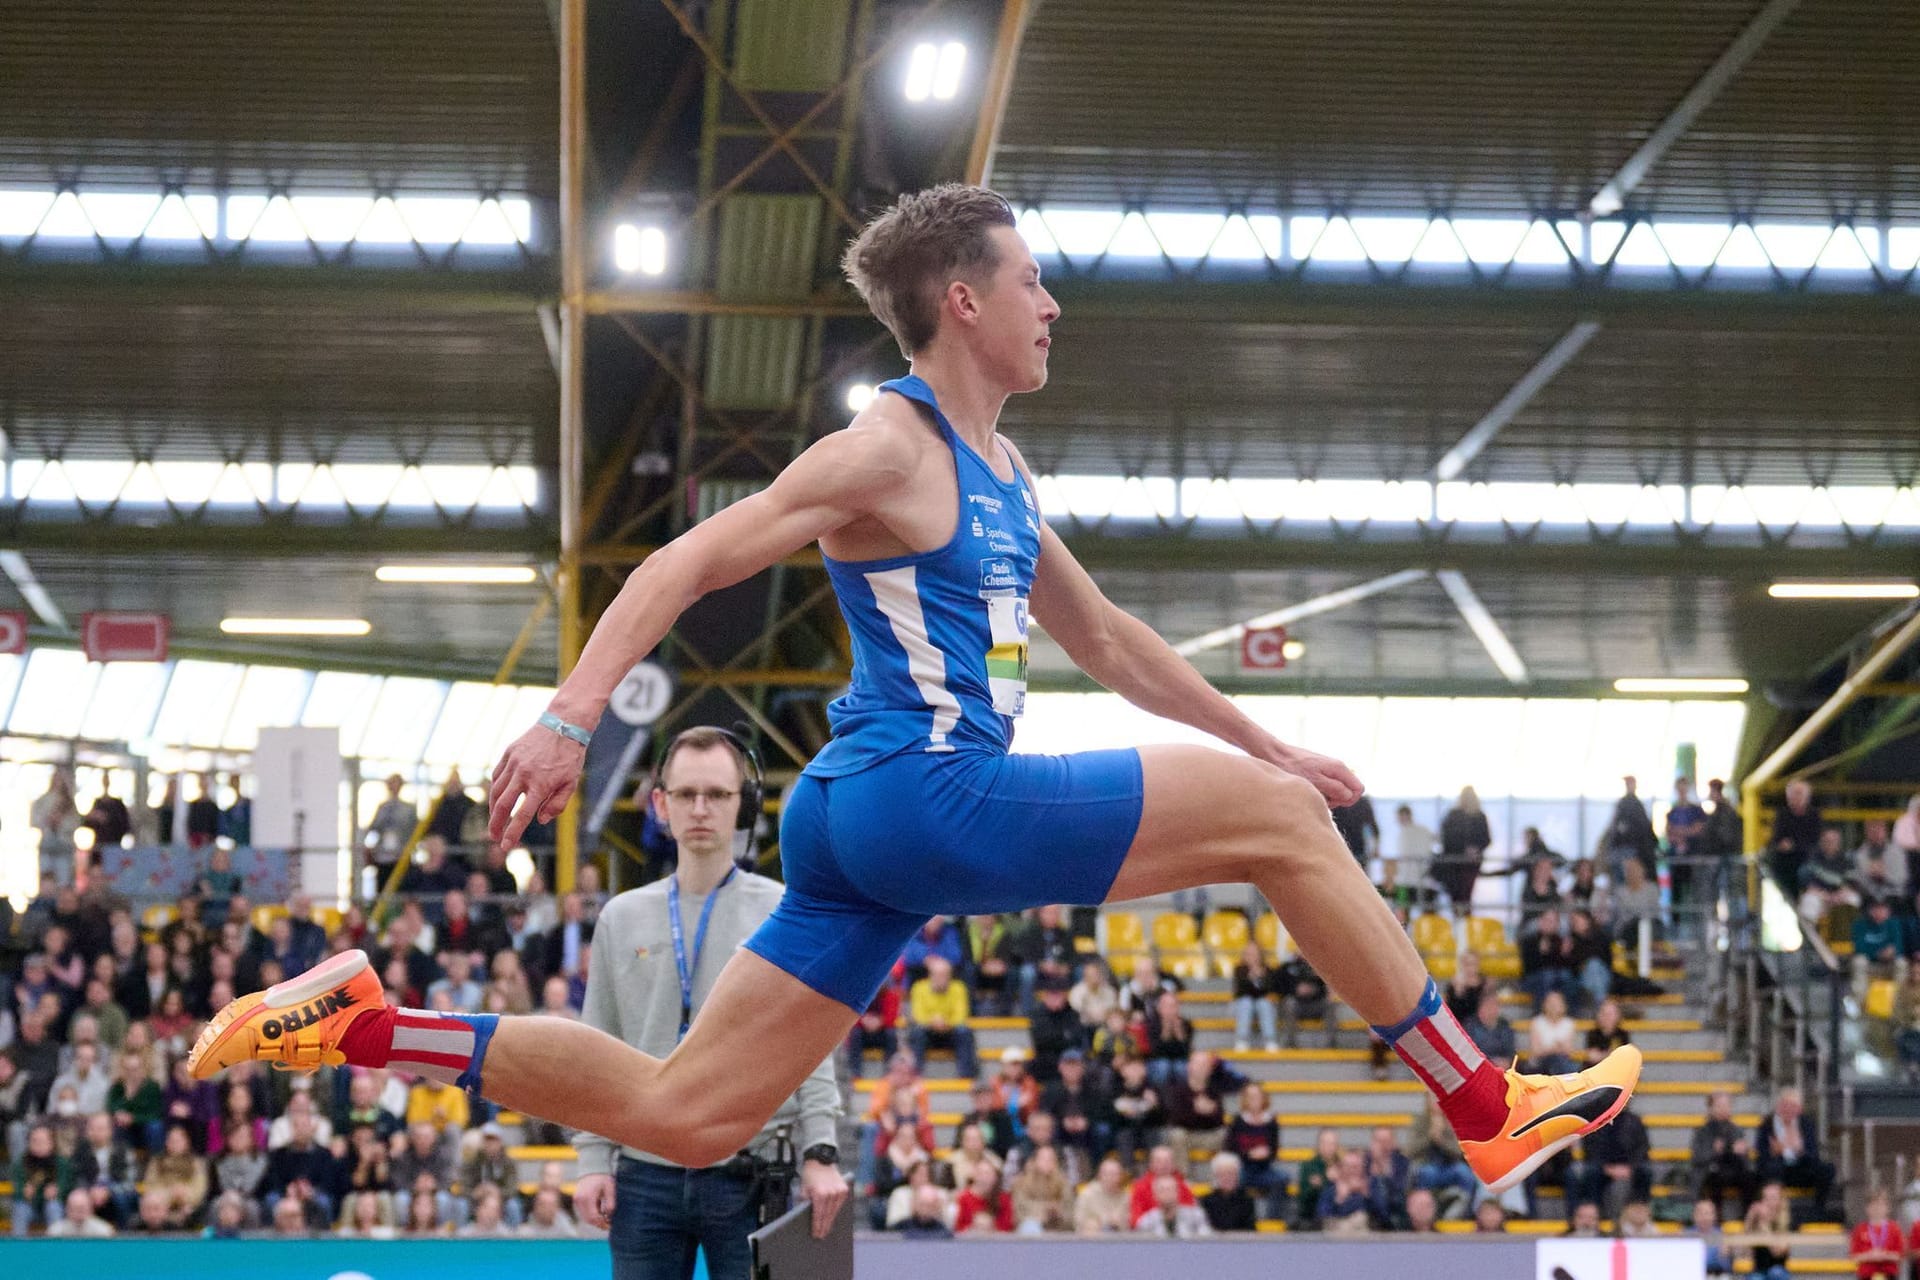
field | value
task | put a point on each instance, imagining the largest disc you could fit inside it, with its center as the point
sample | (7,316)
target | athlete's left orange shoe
(1546,1114)
(296,1025)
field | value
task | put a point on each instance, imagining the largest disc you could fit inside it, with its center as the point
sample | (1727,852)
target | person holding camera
(655,955)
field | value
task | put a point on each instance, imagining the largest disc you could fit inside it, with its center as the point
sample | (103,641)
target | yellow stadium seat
(1189,966)
(1487,937)
(1122,962)
(1266,932)
(1125,932)
(1433,938)
(265,914)
(1879,1002)
(1226,935)
(158,916)
(329,918)
(1174,930)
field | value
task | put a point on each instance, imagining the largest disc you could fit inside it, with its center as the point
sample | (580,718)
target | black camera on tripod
(773,1175)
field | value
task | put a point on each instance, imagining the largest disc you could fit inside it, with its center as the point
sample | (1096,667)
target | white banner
(296,801)
(1678,1258)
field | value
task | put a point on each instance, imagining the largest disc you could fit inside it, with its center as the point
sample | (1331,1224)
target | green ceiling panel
(753,362)
(791,45)
(769,247)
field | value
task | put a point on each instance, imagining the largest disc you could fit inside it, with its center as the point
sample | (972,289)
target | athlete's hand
(537,773)
(1333,780)
(826,1190)
(593,1200)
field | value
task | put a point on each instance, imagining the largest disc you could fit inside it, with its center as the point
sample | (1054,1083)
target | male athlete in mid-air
(931,533)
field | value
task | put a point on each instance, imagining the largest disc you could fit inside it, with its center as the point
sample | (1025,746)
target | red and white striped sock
(1430,1040)
(447,1047)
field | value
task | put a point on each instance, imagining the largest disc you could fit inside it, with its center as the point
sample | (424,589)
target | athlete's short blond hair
(903,260)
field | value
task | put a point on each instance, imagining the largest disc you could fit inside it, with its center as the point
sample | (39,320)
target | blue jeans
(1250,1009)
(1597,977)
(663,1216)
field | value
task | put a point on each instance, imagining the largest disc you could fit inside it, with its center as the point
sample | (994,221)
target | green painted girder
(517,286)
(1439,547)
(1285,298)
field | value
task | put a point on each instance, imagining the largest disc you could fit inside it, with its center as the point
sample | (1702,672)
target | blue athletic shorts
(871,855)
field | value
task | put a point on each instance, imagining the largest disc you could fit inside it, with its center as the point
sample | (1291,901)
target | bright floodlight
(1679,684)
(859,396)
(1844,591)
(459,573)
(1293,650)
(641,249)
(934,71)
(295,626)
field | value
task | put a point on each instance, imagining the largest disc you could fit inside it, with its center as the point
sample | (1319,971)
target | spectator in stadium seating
(1014,1088)
(1255,989)
(134,1101)
(938,1013)
(1387,1179)
(1629,836)
(1686,835)
(1122,1035)
(982,1207)
(561,997)
(875,1028)
(1464,837)
(42,1179)
(1053,948)
(1094,996)
(1540,893)
(1877,862)
(1489,1029)
(1346,1204)
(368,1216)
(1171,1211)
(1770,1214)
(1081,1106)
(1795,837)
(1489,1218)
(1463,990)
(1303,996)
(563,949)
(1584,1221)
(1440,1168)
(997,1125)
(970,1151)
(108,818)
(1636,1221)
(1312,1177)
(1606,1034)
(1906,841)
(1721,1158)
(1137,1112)
(1875,1246)
(1590,957)
(936,938)
(105,1169)
(370,1166)
(508,979)
(1162,1162)
(108,1017)
(1906,1024)
(237,1110)
(546,1220)
(1042,1132)
(1879,946)
(194,1103)
(1254,1137)
(1422,1211)
(897,1207)
(1171,1039)
(1635,898)
(987,968)
(1787,1150)
(1195,1107)
(928,1219)
(1404,870)
(172,1022)
(1585,890)
(1053,1028)
(80,1221)
(1706,1225)
(1229,1206)
(1617,1165)
(301,1170)
(1550,1037)
(904,1152)
(450,810)
(299,1104)
(462,993)
(1104,1206)
(1145,985)
(490,1216)
(1042,1193)
(181,1174)
(86,1077)
(1546,960)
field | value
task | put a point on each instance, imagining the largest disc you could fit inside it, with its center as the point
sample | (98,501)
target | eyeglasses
(712,795)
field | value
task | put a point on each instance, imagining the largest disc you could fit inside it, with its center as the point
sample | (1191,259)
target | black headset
(753,780)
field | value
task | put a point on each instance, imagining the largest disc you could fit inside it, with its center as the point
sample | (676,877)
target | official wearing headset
(656,953)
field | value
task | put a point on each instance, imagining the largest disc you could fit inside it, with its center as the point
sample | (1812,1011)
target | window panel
(268,696)
(198,699)
(124,701)
(403,716)
(53,700)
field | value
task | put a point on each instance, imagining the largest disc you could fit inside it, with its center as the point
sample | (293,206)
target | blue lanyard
(680,942)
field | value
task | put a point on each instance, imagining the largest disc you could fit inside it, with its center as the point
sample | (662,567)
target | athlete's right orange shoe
(296,1025)
(1547,1114)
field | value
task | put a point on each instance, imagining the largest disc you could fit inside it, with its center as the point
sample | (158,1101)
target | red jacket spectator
(1142,1198)
(1876,1237)
(968,1206)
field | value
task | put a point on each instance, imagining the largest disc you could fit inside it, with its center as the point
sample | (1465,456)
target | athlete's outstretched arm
(833,483)
(1129,657)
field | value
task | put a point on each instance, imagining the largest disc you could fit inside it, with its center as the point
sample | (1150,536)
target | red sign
(125,637)
(13,631)
(1263,649)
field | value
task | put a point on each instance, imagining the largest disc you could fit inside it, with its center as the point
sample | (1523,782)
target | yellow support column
(573,367)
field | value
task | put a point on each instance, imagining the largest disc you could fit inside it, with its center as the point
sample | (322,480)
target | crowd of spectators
(105,1131)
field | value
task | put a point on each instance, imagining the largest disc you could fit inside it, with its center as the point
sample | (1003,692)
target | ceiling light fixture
(1680,684)
(1844,590)
(295,626)
(639,249)
(478,574)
